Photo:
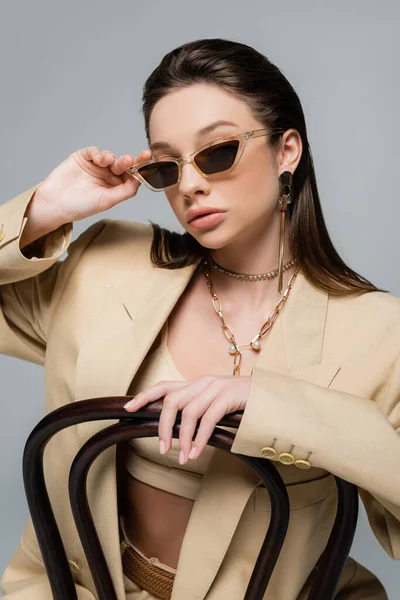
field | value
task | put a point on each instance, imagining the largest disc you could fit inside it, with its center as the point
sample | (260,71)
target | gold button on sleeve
(268,452)
(286,458)
(302,463)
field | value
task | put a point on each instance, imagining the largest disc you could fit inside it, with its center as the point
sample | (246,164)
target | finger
(184,395)
(92,153)
(119,192)
(151,394)
(104,158)
(198,408)
(89,152)
(191,414)
(167,420)
(123,163)
(111,196)
(208,422)
(180,398)
(144,155)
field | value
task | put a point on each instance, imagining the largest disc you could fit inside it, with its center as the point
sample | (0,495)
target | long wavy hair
(241,69)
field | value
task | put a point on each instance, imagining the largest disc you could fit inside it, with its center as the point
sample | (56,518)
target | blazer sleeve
(31,282)
(31,279)
(354,438)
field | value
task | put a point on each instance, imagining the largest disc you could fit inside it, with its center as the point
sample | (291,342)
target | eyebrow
(198,133)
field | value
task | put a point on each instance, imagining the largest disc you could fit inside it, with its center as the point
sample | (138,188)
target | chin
(214,240)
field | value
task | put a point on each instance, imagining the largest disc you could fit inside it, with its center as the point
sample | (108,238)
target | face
(248,194)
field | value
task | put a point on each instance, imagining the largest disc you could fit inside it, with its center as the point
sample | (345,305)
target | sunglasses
(218,156)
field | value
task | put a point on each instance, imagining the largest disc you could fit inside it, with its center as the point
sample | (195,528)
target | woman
(308,349)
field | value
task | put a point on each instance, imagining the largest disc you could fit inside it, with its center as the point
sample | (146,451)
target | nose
(192,181)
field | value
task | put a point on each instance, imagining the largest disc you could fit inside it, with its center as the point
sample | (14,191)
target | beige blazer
(327,381)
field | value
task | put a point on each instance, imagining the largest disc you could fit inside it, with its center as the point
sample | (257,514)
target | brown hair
(249,74)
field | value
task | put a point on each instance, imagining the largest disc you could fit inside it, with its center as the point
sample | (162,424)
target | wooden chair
(144,423)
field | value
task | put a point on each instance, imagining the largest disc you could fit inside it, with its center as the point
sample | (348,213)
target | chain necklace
(255,343)
(260,277)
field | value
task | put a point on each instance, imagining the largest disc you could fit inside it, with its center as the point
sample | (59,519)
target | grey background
(72,76)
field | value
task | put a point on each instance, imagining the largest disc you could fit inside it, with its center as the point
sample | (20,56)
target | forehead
(177,116)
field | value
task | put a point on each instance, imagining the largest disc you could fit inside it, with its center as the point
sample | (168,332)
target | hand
(88,182)
(210,397)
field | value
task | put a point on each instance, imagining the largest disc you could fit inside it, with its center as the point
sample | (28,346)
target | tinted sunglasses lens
(217,158)
(160,174)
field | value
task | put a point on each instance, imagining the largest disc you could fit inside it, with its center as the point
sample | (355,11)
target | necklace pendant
(232,349)
(256,345)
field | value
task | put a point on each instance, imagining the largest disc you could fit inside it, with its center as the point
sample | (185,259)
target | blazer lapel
(293,347)
(229,483)
(127,323)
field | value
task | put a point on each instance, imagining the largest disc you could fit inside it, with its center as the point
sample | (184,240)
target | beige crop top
(143,459)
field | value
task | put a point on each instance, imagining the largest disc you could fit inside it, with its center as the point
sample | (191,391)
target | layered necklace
(255,343)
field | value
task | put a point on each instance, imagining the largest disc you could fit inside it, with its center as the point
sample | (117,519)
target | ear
(290,151)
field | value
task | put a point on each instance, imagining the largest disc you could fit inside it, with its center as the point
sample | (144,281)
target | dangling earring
(285,190)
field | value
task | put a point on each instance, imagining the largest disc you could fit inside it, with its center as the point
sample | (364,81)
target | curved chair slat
(337,550)
(43,520)
(329,566)
(121,432)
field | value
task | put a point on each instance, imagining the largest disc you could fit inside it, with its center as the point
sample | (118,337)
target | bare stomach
(155,520)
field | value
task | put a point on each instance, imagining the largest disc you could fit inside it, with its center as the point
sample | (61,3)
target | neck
(251,257)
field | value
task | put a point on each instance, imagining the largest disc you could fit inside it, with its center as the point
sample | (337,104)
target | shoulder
(108,248)
(119,236)
(364,323)
(121,230)
(369,305)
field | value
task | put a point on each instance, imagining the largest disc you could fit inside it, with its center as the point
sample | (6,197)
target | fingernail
(181,457)
(129,404)
(192,453)
(162,447)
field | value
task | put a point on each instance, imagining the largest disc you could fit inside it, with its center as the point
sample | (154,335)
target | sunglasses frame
(242,138)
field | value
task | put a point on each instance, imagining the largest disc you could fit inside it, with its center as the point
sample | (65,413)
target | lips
(202,215)
(206,221)
(195,213)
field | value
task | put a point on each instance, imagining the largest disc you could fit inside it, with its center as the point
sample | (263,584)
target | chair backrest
(144,423)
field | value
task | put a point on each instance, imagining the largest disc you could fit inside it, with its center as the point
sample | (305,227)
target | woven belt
(149,577)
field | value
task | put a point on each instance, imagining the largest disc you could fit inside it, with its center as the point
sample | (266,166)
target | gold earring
(285,190)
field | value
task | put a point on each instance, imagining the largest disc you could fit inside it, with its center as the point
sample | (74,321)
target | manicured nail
(130,404)
(193,452)
(181,457)
(162,447)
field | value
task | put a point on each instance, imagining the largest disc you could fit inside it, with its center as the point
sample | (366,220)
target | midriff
(157,520)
